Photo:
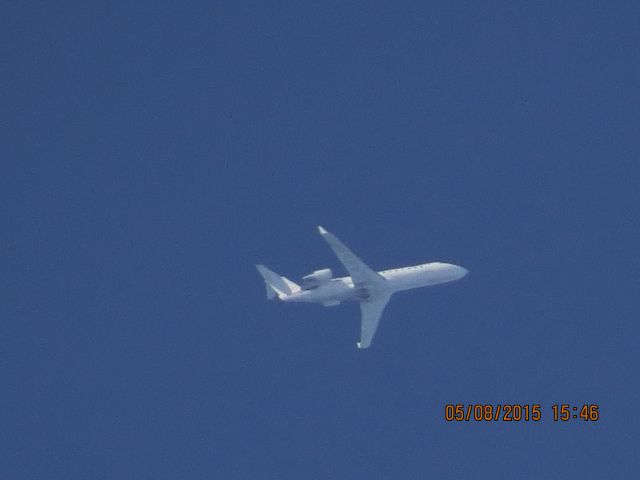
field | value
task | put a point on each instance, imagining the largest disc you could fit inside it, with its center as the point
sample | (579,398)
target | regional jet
(372,289)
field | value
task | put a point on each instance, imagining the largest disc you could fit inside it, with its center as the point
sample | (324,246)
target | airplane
(372,289)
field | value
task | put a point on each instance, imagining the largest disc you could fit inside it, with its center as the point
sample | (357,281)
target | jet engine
(317,278)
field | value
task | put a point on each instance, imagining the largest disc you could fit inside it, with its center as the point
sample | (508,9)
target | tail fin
(276,284)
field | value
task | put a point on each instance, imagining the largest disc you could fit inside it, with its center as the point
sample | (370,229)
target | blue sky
(153,153)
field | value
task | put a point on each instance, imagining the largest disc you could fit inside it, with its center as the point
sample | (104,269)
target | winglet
(322,230)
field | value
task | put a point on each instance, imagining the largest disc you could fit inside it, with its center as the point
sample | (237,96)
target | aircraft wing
(372,305)
(371,312)
(360,272)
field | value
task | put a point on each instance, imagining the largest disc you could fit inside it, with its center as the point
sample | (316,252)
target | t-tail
(277,284)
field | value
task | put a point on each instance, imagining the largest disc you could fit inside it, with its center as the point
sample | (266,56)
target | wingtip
(322,230)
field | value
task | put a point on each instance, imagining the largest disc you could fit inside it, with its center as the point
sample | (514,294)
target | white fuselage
(397,279)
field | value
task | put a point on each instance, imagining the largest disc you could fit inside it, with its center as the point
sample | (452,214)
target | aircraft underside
(372,289)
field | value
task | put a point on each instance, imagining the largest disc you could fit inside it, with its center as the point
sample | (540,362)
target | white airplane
(372,289)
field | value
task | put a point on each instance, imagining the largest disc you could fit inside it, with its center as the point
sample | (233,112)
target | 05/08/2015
(518,412)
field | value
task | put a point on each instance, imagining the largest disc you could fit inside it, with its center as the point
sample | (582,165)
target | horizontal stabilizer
(276,284)
(271,293)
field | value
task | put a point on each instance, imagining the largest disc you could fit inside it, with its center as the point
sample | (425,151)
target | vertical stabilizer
(276,284)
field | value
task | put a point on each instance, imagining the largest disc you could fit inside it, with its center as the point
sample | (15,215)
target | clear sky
(153,152)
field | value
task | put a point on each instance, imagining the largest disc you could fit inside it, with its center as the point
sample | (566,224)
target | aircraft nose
(463,272)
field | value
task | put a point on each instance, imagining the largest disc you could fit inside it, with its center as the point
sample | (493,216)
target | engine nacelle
(317,278)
